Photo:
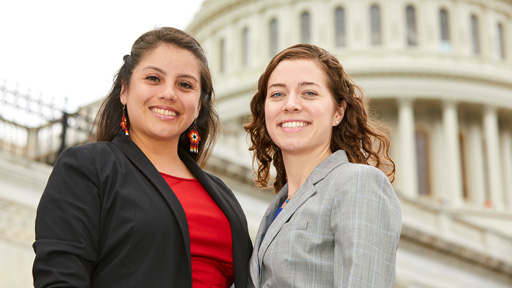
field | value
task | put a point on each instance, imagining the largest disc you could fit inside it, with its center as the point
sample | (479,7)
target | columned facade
(423,55)
(438,73)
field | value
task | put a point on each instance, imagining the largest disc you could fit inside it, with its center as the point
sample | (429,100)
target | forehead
(298,70)
(167,54)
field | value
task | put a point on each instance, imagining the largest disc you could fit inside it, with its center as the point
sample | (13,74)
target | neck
(163,155)
(299,166)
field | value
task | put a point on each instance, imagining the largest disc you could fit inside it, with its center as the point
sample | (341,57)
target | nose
(168,93)
(293,104)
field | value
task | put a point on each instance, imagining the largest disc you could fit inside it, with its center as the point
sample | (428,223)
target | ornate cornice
(445,74)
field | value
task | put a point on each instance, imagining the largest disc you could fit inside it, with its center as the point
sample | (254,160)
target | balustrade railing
(40,130)
(450,229)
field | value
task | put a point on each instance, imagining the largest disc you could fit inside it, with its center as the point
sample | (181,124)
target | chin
(291,147)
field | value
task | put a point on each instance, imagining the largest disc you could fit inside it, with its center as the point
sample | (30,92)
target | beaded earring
(124,125)
(193,135)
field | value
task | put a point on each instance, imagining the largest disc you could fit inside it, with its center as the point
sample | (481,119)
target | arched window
(376,34)
(423,158)
(274,39)
(341,35)
(475,37)
(410,15)
(222,55)
(445,31)
(501,41)
(305,25)
(245,47)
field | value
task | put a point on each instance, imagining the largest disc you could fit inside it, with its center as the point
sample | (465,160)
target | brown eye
(153,78)
(185,85)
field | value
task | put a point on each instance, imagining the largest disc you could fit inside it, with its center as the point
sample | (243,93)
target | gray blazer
(340,229)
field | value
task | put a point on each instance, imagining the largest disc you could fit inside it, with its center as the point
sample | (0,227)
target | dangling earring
(124,125)
(194,139)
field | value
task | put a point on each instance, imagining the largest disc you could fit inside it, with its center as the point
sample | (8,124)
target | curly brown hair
(111,110)
(362,137)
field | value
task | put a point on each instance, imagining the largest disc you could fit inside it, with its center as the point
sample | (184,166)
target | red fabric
(211,246)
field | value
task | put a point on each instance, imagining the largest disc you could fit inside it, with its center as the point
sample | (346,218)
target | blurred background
(438,72)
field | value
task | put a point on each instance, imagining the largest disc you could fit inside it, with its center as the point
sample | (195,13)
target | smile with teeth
(164,112)
(294,124)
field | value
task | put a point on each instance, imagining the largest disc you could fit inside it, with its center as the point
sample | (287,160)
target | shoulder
(90,155)
(95,150)
(84,148)
(337,167)
(356,172)
(359,180)
(352,184)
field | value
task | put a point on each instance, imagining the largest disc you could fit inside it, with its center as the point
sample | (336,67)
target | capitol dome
(439,73)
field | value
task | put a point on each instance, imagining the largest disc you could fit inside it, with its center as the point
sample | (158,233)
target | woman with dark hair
(135,209)
(335,221)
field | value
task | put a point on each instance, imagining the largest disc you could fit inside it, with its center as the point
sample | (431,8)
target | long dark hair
(358,134)
(111,110)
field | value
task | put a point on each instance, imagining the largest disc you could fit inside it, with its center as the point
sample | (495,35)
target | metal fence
(39,129)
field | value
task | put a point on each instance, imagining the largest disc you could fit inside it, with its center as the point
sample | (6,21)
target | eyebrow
(154,68)
(304,83)
(276,85)
(165,73)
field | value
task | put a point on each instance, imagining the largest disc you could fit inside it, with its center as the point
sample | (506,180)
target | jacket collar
(218,193)
(270,227)
(139,160)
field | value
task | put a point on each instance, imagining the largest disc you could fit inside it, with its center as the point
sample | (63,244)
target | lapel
(142,163)
(267,219)
(226,201)
(270,227)
(274,226)
(220,195)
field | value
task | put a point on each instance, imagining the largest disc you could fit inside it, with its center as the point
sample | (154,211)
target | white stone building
(439,72)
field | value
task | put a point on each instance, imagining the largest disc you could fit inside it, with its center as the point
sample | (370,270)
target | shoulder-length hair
(111,111)
(362,137)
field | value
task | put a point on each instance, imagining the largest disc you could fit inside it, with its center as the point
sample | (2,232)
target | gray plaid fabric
(340,229)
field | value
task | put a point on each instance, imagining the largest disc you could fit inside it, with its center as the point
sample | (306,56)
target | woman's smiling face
(300,110)
(163,96)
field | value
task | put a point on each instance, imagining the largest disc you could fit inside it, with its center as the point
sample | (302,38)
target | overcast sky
(66,48)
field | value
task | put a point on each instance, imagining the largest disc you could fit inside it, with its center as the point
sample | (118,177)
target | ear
(123,95)
(340,112)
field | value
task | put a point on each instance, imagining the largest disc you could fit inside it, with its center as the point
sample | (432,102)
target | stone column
(407,167)
(506,153)
(453,172)
(492,151)
(476,166)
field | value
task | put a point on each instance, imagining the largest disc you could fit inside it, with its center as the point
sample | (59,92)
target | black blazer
(107,218)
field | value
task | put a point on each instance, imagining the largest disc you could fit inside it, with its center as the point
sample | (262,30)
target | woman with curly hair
(335,221)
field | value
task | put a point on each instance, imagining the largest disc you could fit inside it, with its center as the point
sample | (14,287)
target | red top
(211,246)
